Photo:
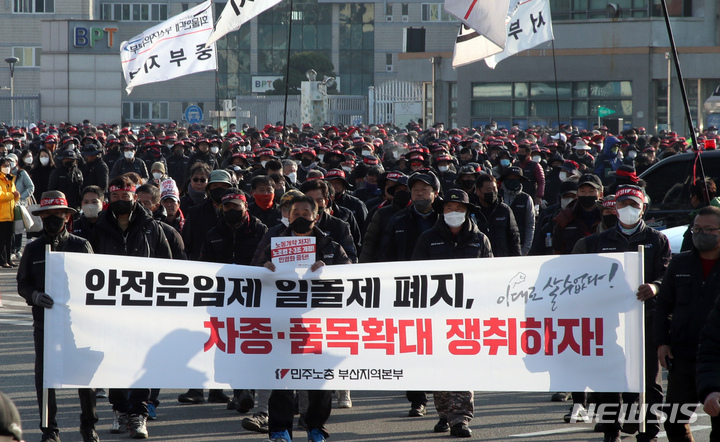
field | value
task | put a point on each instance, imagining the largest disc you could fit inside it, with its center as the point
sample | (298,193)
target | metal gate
(25,109)
(348,110)
(395,102)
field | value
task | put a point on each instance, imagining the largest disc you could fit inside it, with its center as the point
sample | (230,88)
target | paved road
(375,416)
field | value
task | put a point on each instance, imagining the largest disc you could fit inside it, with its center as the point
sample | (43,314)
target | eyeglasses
(199,180)
(704,230)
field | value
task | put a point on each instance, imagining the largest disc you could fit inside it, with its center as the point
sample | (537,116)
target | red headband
(122,189)
(632,175)
(630,192)
(233,196)
(53,202)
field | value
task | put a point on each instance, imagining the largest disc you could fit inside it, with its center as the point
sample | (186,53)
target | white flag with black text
(528,25)
(171,49)
(237,13)
(486,17)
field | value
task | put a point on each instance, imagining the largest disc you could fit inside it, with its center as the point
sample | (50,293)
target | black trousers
(129,400)
(88,415)
(417,397)
(281,410)
(7,232)
(681,390)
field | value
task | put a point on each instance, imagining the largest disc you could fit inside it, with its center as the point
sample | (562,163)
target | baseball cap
(634,193)
(426,177)
(590,179)
(219,176)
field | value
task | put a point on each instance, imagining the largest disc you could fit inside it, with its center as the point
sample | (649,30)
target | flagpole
(557,95)
(287,65)
(688,115)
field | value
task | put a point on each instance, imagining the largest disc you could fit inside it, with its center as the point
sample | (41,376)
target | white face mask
(12,164)
(347,169)
(631,154)
(129,154)
(28,160)
(562,175)
(263,163)
(44,161)
(565,201)
(214,149)
(443,169)
(629,215)
(454,219)
(9,147)
(537,159)
(91,210)
(157,175)
(366,153)
(292,176)
(285,221)
(5,170)
(320,156)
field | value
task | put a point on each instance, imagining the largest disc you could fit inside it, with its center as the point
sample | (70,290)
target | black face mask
(121,207)
(216,194)
(513,185)
(306,162)
(587,202)
(467,184)
(334,164)
(53,224)
(401,199)
(522,158)
(609,220)
(301,225)
(69,164)
(490,197)
(234,217)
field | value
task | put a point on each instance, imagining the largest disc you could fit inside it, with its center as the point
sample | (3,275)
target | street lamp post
(669,72)
(11,61)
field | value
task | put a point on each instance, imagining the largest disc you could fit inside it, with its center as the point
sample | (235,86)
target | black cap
(514,170)
(9,419)
(590,179)
(456,196)
(426,177)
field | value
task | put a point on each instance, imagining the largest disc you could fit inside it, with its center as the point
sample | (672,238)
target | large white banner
(555,323)
(236,13)
(174,48)
(529,25)
(487,17)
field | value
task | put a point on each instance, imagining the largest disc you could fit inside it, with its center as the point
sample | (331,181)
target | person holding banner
(55,214)
(630,233)
(281,406)
(454,236)
(687,295)
(128,229)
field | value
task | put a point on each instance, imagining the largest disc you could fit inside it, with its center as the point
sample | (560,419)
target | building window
(404,8)
(134,12)
(34,6)
(597,9)
(146,110)
(534,103)
(435,12)
(27,57)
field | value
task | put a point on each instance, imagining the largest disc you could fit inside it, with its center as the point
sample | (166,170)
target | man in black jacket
(55,213)
(67,178)
(200,217)
(263,206)
(129,163)
(281,406)
(630,233)
(94,171)
(708,366)
(495,219)
(129,230)
(454,236)
(687,295)
(338,179)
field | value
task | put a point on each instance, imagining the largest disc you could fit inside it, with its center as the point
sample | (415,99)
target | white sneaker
(119,423)
(138,426)
(344,400)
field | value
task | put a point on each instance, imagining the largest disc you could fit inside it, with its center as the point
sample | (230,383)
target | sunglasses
(199,180)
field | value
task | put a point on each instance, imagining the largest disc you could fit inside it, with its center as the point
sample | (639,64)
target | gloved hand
(42,299)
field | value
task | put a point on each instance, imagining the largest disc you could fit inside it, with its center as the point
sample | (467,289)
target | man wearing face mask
(578,219)
(149,197)
(127,229)
(277,230)
(129,163)
(308,162)
(67,177)
(200,216)
(511,193)
(343,231)
(55,214)
(92,205)
(454,236)
(370,189)
(466,178)
(495,219)
(338,179)
(504,160)
(263,206)
(94,170)
(281,405)
(686,298)
(630,233)
(609,217)
(397,198)
(532,171)
(202,154)
(542,242)
(177,162)
(609,160)
(445,171)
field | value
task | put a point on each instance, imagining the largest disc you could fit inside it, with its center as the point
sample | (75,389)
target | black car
(668,186)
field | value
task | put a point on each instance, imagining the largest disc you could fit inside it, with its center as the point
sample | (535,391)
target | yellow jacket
(7,197)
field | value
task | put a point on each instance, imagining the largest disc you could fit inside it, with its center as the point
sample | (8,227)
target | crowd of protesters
(367,194)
